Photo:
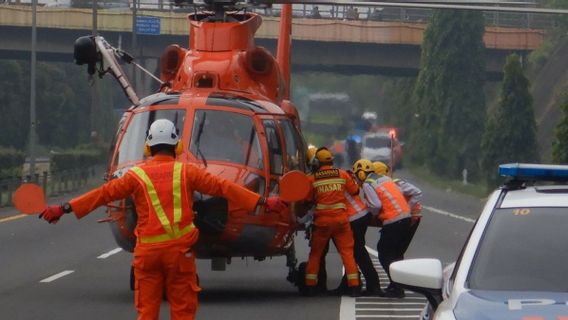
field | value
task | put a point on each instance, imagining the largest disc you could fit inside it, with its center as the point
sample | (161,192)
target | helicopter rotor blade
(499,6)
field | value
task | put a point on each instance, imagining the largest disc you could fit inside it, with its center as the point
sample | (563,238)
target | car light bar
(529,171)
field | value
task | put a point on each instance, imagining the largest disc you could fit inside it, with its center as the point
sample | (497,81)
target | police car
(514,264)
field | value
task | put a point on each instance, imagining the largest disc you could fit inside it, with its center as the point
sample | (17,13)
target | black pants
(393,243)
(362,258)
(411,232)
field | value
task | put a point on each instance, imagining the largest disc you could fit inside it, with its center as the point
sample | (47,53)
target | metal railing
(54,184)
(335,12)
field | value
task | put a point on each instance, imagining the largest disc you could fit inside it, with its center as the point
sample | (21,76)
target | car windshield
(132,144)
(378,142)
(523,249)
(225,136)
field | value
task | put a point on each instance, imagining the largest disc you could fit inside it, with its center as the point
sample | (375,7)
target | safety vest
(329,189)
(394,206)
(164,189)
(356,208)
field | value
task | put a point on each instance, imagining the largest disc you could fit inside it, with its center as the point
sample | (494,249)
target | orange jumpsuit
(331,221)
(162,191)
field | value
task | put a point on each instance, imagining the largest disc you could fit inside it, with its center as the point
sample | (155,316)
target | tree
(510,134)
(14,107)
(448,96)
(560,143)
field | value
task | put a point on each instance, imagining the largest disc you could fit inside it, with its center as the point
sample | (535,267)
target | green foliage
(560,143)
(63,105)
(80,157)
(510,134)
(448,96)
(11,161)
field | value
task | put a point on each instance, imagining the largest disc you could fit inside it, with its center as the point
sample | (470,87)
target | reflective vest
(356,208)
(329,189)
(394,206)
(164,188)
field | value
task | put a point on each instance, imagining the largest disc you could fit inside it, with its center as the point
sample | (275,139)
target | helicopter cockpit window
(274,147)
(225,136)
(294,146)
(132,144)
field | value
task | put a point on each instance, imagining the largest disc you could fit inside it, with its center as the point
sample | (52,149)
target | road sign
(147,25)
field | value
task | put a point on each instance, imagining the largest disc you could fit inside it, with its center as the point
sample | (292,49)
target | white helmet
(162,131)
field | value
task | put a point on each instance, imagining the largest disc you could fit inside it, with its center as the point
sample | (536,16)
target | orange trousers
(343,239)
(165,269)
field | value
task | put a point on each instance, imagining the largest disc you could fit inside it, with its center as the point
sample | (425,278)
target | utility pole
(32,137)
(134,44)
(95,85)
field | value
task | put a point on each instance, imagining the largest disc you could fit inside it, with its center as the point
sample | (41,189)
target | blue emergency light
(529,171)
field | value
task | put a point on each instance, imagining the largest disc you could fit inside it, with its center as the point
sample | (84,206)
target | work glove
(275,204)
(52,214)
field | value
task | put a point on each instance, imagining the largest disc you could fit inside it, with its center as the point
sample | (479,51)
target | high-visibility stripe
(352,276)
(322,206)
(172,229)
(311,276)
(153,194)
(328,181)
(177,192)
(166,237)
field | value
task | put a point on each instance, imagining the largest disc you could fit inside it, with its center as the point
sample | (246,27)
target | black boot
(354,291)
(374,292)
(394,292)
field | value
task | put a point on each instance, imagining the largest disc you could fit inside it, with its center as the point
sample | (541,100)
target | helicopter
(230,100)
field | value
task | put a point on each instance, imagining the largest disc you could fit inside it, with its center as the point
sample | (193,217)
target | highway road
(73,270)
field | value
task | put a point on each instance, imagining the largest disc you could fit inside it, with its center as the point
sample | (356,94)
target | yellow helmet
(311,153)
(381,168)
(362,168)
(324,155)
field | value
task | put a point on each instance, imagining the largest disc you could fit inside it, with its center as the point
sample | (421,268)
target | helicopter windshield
(225,136)
(132,144)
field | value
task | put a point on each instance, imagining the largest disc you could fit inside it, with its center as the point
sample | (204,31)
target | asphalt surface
(95,279)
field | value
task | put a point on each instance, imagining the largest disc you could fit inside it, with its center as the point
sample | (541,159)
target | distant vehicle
(513,266)
(382,146)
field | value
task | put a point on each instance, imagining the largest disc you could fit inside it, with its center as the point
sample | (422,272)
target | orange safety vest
(356,208)
(169,217)
(394,206)
(329,187)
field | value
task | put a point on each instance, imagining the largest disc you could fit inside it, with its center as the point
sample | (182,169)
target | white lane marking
(372,252)
(346,308)
(449,214)
(385,316)
(57,276)
(110,253)
(392,303)
(19,216)
(389,309)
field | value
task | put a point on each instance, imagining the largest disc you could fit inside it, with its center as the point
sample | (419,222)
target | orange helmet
(323,155)
(381,168)
(362,168)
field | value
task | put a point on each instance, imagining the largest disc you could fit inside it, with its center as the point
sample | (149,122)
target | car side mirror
(422,276)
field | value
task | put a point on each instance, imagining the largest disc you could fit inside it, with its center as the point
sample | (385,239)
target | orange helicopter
(230,101)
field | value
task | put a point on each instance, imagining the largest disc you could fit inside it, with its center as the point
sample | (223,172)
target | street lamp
(32,137)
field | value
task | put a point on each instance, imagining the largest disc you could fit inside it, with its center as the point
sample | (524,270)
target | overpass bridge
(344,46)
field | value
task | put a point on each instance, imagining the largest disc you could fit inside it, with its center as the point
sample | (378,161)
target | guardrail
(335,12)
(53,184)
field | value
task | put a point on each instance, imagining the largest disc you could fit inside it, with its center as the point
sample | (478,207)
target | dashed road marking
(57,276)
(110,253)
(19,216)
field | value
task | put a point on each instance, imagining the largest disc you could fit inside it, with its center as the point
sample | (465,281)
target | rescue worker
(359,220)
(412,194)
(331,220)
(162,190)
(385,199)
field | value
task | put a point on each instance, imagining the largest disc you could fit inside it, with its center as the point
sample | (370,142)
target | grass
(477,190)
